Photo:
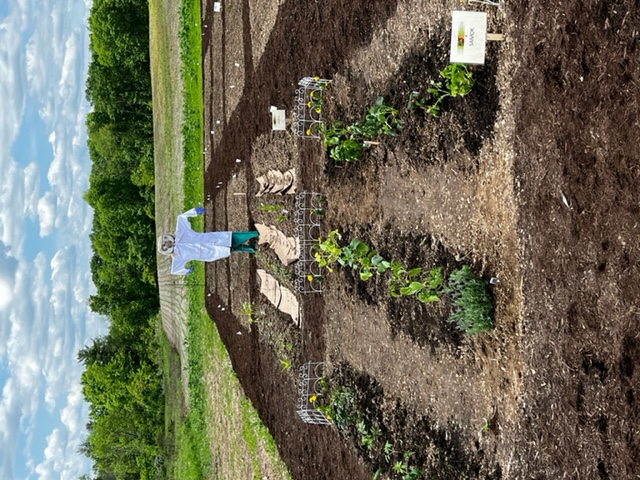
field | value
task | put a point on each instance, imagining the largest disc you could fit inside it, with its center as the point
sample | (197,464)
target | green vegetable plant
(329,250)
(471,301)
(368,437)
(270,208)
(427,286)
(457,82)
(346,143)
(388,451)
(380,119)
(485,426)
(472,305)
(407,471)
(337,404)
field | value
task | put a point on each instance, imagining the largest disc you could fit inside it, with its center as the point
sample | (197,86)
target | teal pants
(239,239)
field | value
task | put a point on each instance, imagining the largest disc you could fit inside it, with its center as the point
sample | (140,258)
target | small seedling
(388,451)
(278,209)
(485,427)
(367,437)
(415,101)
(285,364)
(247,312)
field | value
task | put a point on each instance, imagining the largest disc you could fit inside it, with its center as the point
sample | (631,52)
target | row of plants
(270,333)
(472,305)
(346,143)
(337,402)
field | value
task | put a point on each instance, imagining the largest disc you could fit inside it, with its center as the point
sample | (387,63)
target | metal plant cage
(308,214)
(311,373)
(307,109)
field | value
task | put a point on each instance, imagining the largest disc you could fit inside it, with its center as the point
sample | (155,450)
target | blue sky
(44,238)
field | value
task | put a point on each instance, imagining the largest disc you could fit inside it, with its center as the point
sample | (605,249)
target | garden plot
(527,178)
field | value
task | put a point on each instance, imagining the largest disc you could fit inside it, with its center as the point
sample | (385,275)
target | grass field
(216,433)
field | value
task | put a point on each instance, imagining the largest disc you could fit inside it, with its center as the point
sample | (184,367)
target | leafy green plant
(471,301)
(319,206)
(485,426)
(381,119)
(347,143)
(328,250)
(412,474)
(337,403)
(458,79)
(271,208)
(403,468)
(368,437)
(426,286)
(388,451)
(457,82)
(348,150)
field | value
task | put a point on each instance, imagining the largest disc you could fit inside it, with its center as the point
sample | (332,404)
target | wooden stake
(495,37)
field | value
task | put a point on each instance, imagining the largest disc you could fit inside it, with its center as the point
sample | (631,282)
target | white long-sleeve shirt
(192,245)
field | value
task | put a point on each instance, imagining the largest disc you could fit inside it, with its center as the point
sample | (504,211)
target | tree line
(121,381)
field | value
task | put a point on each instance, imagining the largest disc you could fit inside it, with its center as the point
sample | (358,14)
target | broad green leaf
(365,275)
(412,288)
(426,297)
(413,272)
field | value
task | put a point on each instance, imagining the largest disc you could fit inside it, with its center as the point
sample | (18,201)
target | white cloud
(8,268)
(53,454)
(9,426)
(67,81)
(47,213)
(11,80)
(6,294)
(31,185)
(11,207)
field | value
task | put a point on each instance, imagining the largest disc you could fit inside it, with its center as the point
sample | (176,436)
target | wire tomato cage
(308,105)
(310,379)
(308,215)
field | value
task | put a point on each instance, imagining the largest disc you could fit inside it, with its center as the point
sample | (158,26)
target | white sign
(278,120)
(468,37)
(217,7)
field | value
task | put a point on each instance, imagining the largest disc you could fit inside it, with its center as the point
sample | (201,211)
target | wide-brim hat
(166,243)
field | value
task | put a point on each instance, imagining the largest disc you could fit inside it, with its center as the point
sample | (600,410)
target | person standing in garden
(186,244)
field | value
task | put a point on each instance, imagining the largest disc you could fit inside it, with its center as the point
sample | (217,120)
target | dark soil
(534,178)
